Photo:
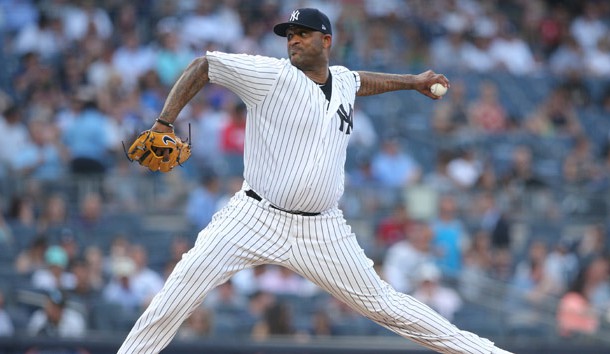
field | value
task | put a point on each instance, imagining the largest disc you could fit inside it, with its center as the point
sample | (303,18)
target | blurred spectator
(403,257)
(394,227)
(21,218)
(446,51)
(344,320)
(45,38)
(279,280)
(561,264)
(449,236)
(179,246)
(53,219)
(555,116)
(146,282)
(101,71)
(233,134)
(502,268)
(577,88)
(32,257)
(258,303)
(56,319)
(364,136)
(84,18)
(198,325)
(588,27)
(465,168)
(521,175)
(247,281)
(580,163)
(486,113)
(576,313)
(322,324)
(173,56)
(152,94)
(31,74)
(44,157)
(118,251)
(67,240)
(120,289)
(439,179)
(6,323)
(87,137)
(568,57)
(91,219)
(450,115)
(477,261)
(22,13)
(201,25)
(376,47)
(11,123)
(512,52)
(94,259)
(207,123)
(132,59)
(86,289)
(224,299)
(231,186)
(593,243)
(597,284)
(123,185)
(476,54)
(362,173)
(55,274)
(553,29)
(277,321)
(394,167)
(532,289)
(202,201)
(6,235)
(493,221)
(488,180)
(598,60)
(210,23)
(431,292)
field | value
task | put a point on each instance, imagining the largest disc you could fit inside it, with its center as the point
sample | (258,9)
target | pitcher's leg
(328,254)
(238,237)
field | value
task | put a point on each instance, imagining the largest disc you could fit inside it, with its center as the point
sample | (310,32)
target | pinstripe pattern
(296,140)
(291,135)
(323,249)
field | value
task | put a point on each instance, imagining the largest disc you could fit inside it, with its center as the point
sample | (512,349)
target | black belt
(252,194)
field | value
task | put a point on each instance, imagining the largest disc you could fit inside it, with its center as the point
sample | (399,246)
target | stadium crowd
(510,185)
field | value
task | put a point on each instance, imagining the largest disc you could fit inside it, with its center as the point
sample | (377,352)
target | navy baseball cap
(307,17)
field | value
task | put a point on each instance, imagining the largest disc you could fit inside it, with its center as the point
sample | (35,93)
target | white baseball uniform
(294,158)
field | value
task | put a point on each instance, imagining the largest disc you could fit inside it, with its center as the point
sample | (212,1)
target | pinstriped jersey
(296,140)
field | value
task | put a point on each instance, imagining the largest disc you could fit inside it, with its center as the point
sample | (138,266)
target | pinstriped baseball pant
(321,248)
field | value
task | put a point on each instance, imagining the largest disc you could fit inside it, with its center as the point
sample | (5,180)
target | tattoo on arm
(372,83)
(192,80)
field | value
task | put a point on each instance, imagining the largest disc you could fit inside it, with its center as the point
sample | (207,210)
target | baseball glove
(159,151)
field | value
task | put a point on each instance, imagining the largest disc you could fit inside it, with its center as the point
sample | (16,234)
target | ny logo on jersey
(295,15)
(346,117)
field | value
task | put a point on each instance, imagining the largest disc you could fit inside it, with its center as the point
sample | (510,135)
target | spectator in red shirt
(234,132)
(393,227)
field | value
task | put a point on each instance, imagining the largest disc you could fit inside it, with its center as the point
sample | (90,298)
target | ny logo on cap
(294,16)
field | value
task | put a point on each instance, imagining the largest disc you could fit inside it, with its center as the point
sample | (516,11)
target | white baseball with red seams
(438,89)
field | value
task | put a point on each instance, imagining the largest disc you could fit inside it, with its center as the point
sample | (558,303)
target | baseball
(438,89)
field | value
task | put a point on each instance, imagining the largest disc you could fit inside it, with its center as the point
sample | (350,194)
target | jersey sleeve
(351,77)
(249,76)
